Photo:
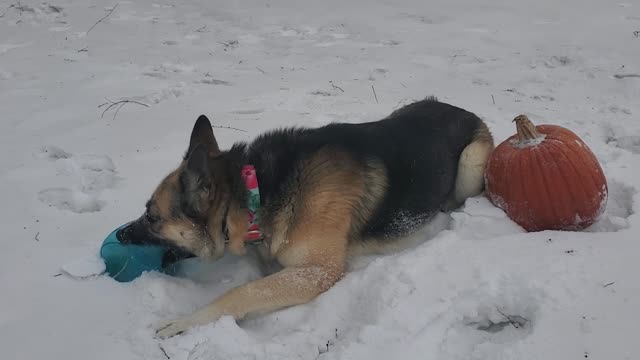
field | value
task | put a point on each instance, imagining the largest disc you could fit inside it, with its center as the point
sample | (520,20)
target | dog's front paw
(201,317)
(173,328)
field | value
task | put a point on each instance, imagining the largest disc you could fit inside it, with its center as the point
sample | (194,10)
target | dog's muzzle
(137,233)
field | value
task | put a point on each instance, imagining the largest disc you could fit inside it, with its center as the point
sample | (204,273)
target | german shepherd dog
(324,193)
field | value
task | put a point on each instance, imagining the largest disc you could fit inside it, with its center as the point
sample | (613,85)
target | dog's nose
(124,234)
(133,233)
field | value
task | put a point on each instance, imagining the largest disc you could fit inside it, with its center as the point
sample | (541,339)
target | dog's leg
(310,242)
(291,286)
(314,257)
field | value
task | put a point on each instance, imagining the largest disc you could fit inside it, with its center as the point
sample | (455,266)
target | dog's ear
(202,133)
(196,179)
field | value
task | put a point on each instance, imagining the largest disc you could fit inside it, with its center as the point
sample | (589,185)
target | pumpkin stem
(526,129)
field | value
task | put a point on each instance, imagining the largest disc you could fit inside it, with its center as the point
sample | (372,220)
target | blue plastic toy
(125,262)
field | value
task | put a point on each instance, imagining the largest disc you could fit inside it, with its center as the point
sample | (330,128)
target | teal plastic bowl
(125,262)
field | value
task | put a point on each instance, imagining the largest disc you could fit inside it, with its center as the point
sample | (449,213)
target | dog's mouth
(136,233)
(174,255)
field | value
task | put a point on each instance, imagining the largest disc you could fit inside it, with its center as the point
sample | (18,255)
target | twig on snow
(201,29)
(262,71)
(118,110)
(494,100)
(609,284)
(7,10)
(164,352)
(120,104)
(227,127)
(84,49)
(335,86)
(36,237)
(622,76)
(514,323)
(104,17)
(374,94)
(325,349)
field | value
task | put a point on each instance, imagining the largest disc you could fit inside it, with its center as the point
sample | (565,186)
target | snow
(479,288)
(85,267)
(521,144)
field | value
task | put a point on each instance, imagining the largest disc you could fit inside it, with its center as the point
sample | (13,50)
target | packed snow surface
(76,162)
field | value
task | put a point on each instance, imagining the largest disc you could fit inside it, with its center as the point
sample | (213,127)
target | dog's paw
(173,328)
(200,318)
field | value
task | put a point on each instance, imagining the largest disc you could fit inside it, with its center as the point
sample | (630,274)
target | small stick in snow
(116,103)
(164,352)
(84,49)
(262,71)
(322,350)
(622,76)
(201,29)
(7,10)
(609,284)
(494,100)
(58,274)
(104,17)
(335,86)
(36,237)
(227,127)
(374,94)
(514,323)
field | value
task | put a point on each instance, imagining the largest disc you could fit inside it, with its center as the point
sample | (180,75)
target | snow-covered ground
(71,172)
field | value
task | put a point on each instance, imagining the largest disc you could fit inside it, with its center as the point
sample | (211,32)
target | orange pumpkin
(546,178)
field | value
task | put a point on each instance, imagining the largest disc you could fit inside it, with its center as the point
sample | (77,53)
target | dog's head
(187,210)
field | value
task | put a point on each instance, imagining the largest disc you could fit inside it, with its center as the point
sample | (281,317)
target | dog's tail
(472,164)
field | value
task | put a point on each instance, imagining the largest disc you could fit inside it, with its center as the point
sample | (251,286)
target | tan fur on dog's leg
(291,286)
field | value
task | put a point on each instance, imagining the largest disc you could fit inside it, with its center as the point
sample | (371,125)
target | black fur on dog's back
(419,146)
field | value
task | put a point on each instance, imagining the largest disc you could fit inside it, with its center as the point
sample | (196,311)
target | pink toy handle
(253,202)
